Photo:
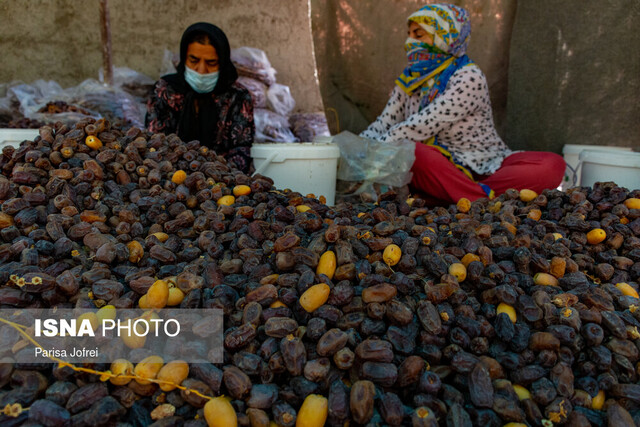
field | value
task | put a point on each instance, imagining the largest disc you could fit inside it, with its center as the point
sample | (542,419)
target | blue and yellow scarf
(429,71)
(431,66)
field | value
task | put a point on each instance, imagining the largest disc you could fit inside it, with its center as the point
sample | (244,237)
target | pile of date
(522,310)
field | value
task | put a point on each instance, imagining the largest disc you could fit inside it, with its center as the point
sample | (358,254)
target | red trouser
(439,182)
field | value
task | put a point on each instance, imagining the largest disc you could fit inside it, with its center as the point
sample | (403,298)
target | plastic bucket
(571,154)
(303,167)
(14,137)
(623,168)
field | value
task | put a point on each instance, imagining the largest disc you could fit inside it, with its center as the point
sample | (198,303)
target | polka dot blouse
(461,117)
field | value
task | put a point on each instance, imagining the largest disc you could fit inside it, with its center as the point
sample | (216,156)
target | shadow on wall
(577,82)
(359,48)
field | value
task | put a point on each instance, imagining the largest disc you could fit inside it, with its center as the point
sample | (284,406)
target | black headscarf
(202,125)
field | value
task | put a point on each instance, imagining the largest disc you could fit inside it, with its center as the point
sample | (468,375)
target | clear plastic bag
(280,100)
(272,127)
(134,83)
(307,126)
(5,103)
(10,114)
(112,103)
(48,102)
(257,89)
(6,112)
(30,96)
(370,161)
(253,62)
(368,192)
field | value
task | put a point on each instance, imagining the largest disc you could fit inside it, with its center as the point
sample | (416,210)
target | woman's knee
(554,165)
(550,170)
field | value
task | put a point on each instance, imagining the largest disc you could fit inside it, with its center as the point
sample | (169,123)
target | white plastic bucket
(14,137)
(303,167)
(623,168)
(571,154)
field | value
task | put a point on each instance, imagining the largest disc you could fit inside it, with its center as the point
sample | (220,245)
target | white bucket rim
(295,151)
(10,134)
(577,148)
(608,158)
(20,130)
(294,144)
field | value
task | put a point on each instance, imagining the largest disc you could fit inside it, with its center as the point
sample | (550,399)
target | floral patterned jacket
(236,127)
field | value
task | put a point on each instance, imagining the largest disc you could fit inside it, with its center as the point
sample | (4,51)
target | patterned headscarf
(431,67)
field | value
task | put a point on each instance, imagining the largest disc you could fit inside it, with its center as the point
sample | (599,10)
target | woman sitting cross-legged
(441,101)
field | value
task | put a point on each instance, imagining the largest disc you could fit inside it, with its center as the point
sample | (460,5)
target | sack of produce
(280,100)
(307,126)
(272,127)
(257,89)
(253,62)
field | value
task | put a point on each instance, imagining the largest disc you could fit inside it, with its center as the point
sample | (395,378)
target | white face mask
(201,83)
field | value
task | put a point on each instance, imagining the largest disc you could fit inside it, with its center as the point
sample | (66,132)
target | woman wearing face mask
(441,101)
(202,100)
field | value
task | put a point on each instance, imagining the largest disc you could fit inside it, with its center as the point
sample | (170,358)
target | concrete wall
(60,39)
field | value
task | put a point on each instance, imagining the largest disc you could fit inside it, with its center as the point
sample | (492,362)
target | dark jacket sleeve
(161,114)
(241,132)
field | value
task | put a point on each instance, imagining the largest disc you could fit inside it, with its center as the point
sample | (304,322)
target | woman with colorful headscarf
(441,101)
(202,100)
